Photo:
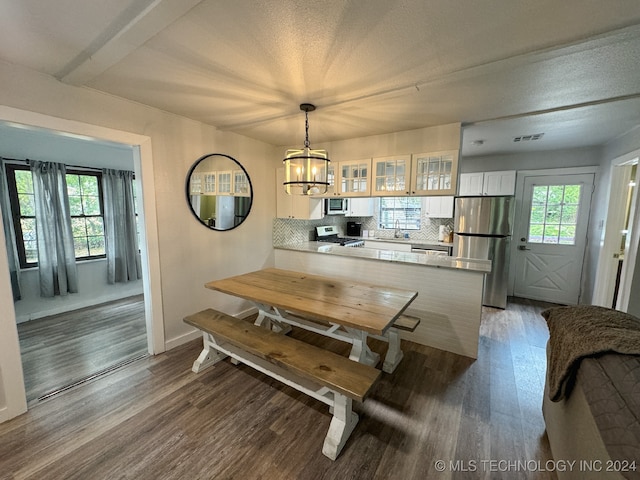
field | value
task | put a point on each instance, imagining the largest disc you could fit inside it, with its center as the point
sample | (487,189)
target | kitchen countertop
(438,261)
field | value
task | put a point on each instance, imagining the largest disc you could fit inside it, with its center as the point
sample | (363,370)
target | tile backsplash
(286,230)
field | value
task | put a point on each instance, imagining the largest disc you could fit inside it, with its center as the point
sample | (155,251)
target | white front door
(551,233)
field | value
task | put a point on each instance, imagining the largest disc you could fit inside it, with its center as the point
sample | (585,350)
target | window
(404,212)
(85,203)
(554,214)
(85,206)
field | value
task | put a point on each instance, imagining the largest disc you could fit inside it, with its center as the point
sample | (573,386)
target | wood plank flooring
(155,419)
(61,349)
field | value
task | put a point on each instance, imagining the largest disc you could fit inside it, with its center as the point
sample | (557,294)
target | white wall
(189,254)
(431,139)
(576,157)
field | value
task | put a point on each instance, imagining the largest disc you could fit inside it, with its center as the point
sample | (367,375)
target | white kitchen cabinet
(396,246)
(501,182)
(438,207)
(434,173)
(350,178)
(391,176)
(300,207)
(360,207)
(431,173)
(471,184)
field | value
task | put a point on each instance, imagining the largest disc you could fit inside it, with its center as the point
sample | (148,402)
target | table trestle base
(281,321)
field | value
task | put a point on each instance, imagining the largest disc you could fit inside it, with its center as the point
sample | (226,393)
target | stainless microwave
(336,206)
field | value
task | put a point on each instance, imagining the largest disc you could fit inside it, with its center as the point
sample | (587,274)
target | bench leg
(394,353)
(208,356)
(342,424)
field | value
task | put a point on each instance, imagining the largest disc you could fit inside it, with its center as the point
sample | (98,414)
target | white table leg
(360,351)
(208,356)
(271,319)
(342,424)
(394,353)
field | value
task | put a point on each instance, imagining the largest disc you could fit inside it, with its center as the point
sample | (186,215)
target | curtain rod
(77,167)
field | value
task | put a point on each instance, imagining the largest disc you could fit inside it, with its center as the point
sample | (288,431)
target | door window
(554,214)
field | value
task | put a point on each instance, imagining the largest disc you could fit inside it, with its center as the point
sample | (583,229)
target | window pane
(96,245)
(551,233)
(27,204)
(554,213)
(91,205)
(80,246)
(537,214)
(24,181)
(89,185)
(73,184)
(95,226)
(79,227)
(75,205)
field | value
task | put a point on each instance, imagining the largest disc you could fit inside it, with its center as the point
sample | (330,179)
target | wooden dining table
(344,309)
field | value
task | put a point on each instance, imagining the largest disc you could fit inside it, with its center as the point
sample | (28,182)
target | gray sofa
(591,402)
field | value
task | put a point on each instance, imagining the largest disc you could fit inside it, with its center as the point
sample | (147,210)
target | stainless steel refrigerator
(482,229)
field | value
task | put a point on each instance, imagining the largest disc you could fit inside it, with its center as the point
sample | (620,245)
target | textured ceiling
(503,68)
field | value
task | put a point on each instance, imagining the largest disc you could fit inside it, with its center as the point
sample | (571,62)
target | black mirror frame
(188,190)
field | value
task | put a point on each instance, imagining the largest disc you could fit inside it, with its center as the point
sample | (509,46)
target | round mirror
(219,191)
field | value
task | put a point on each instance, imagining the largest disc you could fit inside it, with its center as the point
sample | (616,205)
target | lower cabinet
(398,247)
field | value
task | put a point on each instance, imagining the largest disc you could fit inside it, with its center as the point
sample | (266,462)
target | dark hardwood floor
(155,419)
(62,349)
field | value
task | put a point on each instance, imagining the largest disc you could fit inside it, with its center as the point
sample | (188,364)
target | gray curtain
(9,233)
(56,254)
(121,239)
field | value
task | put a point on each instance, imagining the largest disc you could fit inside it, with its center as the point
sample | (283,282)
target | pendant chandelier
(305,170)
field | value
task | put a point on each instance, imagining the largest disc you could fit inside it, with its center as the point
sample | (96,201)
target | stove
(330,234)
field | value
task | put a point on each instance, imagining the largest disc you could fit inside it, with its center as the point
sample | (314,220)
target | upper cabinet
(301,207)
(349,178)
(438,207)
(432,173)
(501,182)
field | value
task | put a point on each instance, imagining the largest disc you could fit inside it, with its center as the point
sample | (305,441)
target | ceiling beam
(129,30)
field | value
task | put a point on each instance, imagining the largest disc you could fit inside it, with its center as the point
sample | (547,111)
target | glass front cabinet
(433,173)
(391,176)
(349,179)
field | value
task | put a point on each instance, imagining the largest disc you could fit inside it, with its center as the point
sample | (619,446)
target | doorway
(12,392)
(616,263)
(550,236)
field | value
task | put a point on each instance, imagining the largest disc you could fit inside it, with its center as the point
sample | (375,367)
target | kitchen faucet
(397,233)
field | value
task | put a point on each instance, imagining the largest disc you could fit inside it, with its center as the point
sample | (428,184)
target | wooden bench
(406,323)
(324,375)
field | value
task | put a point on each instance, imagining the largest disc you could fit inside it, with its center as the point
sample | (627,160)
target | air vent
(526,138)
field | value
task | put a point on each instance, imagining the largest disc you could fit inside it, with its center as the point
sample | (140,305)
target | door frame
(11,379)
(610,241)
(519,193)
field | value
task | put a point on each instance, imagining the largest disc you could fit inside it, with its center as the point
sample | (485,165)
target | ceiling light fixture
(305,170)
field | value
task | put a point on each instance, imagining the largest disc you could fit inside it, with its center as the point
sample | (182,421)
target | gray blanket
(579,331)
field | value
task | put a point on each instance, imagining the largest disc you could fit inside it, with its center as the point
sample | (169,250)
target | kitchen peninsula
(449,289)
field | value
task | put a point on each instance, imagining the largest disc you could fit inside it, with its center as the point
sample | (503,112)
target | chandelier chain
(306,129)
